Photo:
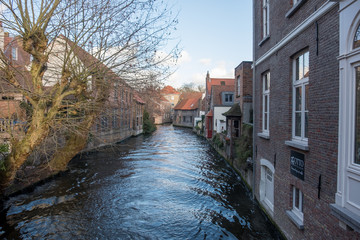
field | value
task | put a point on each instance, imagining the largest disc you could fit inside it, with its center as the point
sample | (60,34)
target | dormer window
(357,38)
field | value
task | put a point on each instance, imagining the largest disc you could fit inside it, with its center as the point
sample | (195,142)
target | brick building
(187,109)
(209,83)
(296,125)
(243,89)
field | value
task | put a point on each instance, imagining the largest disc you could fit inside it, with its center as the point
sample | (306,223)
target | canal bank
(170,185)
(242,172)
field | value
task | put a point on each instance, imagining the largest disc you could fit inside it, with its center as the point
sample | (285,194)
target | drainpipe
(253,105)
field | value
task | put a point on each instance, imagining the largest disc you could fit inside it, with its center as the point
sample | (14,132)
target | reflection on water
(170,185)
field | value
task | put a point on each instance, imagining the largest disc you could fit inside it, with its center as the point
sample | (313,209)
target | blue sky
(215,36)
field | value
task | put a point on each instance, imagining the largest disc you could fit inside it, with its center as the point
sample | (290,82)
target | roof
(168,90)
(217,90)
(210,114)
(219,82)
(234,111)
(190,102)
(138,98)
(163,99)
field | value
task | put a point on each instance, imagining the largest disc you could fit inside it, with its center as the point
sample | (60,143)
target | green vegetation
(4,148)
(148,124)
(243,145)
(218,141)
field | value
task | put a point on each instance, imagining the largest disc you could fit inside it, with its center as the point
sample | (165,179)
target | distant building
(172,96)
(209,99)
(187,109)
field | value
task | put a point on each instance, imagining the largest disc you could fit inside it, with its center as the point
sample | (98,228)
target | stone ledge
(298,145)
(295,219)
(264,135)
(346,216)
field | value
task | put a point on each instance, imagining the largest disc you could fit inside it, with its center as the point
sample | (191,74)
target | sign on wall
(297,164)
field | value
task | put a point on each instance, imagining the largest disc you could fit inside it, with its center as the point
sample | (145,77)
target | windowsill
(294,8)
(346,216)
(297,144)
(264,40)
(264,135)
(295,219)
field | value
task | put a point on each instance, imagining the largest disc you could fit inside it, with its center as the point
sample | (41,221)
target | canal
(170,185)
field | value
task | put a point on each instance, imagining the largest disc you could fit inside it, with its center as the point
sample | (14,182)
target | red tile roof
(190,102)
(217,81)
(210,114)
(169,90)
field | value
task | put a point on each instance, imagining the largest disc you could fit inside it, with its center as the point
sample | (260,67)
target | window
(191,119)
(265,18)
(104,123)
(116,94)
(300,97)
(228,98)
(266,102)
(238,86)
(267,184)
(357,116)
(356,43)
(14,53)
(114,119)
(297,207)
(184,118)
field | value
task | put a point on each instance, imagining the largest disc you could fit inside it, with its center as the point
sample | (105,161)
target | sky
(214,35)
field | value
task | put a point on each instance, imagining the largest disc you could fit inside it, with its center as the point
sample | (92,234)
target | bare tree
(80,50)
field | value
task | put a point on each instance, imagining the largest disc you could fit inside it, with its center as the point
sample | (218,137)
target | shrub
(148,124)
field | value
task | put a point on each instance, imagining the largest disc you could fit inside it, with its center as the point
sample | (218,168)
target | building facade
(188,109)
(243,89)
(296,125)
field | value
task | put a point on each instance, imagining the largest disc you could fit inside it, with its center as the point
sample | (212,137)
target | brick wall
(321,159)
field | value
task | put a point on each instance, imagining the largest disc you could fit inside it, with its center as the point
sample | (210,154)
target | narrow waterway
(171,185)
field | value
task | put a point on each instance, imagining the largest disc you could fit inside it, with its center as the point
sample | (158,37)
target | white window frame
(265,190)
(265,18)
(238,85)
(266,95)
(301,83)
(298,211)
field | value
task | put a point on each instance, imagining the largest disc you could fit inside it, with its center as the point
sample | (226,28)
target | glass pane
(266,103)
(306,97)
(298,124)
(301,67)
(265,121)
(306,124)
(357,117)
(306,64)
(297,198)
(357,38)
(298,99)
(266,84)
(297,69)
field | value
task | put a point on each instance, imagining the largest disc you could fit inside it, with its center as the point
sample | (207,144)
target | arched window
(356,43)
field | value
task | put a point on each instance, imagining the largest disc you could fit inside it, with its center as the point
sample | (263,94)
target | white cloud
(205,61)
(220,70)
(184,57)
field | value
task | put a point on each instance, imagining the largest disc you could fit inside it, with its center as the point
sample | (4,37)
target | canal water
(170,185)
